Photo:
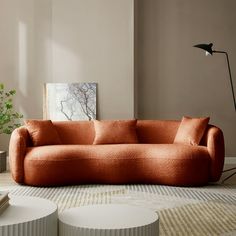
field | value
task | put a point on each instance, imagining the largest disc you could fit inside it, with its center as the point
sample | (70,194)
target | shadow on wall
(175,79)
(34,60)
(27,42)
(25,64)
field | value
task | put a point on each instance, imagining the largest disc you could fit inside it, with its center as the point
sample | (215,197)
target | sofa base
(177,165)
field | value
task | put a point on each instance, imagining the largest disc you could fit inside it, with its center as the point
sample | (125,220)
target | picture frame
(70,101)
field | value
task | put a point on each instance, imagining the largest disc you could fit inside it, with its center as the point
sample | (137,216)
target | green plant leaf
(9,118)
(8,105)
(12,92)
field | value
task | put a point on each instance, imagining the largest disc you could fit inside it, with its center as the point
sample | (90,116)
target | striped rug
(209,210)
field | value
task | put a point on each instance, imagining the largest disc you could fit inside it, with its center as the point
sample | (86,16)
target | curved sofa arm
(17,149)
(214,140)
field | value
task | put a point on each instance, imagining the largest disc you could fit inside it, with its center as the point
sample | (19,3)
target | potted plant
(9,118)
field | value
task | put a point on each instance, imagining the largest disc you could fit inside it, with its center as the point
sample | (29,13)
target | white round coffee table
(108,219)
(29,216)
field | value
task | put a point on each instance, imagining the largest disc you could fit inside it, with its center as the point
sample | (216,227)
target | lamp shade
(206,47)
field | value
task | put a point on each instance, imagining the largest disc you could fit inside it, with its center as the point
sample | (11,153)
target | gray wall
(175,79)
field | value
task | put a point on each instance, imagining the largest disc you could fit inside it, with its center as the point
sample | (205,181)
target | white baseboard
(230,160)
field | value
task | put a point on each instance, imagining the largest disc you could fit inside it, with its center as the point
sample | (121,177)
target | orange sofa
(154,160)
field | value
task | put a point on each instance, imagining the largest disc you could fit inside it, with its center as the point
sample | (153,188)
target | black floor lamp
(209,51)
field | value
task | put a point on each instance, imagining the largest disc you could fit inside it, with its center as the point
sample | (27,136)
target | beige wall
(22,65)
(68,41)
(93,42)
(175,79)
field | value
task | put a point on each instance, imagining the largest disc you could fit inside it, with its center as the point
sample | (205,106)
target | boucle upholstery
(154,160)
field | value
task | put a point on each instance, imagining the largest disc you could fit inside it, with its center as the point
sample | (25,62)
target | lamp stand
(232,89)
(230,76)
(208,49)
(228,177)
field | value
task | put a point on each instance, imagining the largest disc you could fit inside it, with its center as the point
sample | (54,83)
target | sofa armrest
(214,140)
(17,149)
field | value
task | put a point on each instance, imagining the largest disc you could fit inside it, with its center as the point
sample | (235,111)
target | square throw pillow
(42,132)
(191,130)
(115,131)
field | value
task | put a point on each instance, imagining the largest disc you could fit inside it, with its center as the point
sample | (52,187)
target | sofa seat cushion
(173,164)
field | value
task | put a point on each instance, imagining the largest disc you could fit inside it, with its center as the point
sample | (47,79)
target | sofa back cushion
(42,132)
(115,131)
(148,131)
(75,132)
(191,130)
(156,131)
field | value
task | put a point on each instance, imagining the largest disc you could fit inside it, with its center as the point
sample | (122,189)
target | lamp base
(228,177)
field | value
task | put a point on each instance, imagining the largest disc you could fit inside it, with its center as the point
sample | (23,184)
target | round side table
(29,216)
(108,219)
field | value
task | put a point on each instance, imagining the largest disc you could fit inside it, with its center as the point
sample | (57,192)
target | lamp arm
(230,76)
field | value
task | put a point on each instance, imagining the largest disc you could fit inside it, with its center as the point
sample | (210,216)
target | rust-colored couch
(154,160)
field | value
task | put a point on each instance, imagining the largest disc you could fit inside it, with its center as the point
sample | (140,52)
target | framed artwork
(70,101)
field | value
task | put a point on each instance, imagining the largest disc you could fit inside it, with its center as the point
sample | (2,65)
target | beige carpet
(209,210)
